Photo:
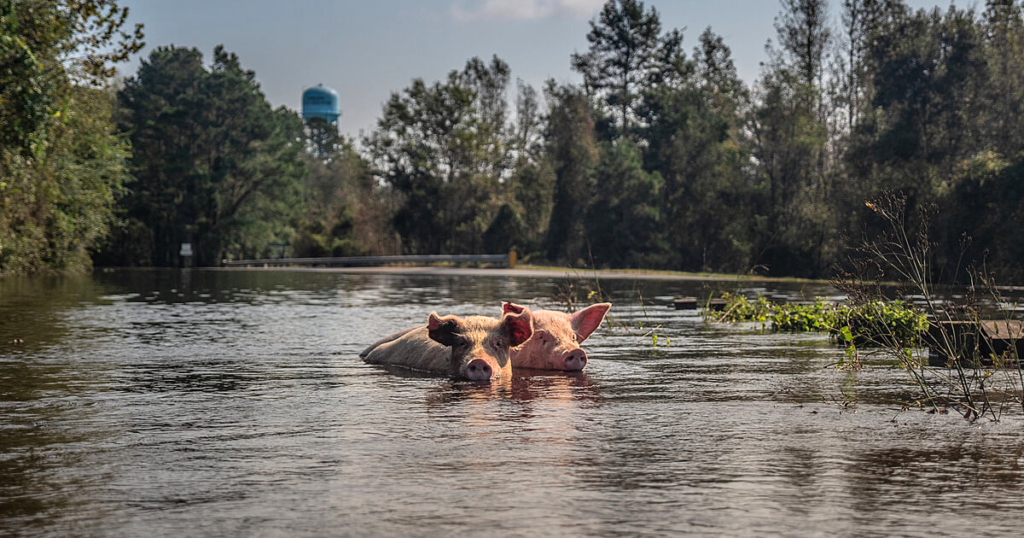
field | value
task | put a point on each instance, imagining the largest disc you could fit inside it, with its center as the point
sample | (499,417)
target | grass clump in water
(739,308)
(880,323)
(874,323)
(797,318)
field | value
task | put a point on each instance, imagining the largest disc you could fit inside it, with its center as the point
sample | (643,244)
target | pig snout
(576,360)
(479,370)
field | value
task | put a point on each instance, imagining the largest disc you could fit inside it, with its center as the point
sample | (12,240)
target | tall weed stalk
(902,253)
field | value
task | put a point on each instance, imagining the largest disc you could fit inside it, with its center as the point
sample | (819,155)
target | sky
(367,50)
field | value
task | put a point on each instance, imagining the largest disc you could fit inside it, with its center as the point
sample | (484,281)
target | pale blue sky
(368,49)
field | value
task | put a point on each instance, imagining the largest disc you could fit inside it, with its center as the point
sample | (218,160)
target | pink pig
(557,336)
(474,347)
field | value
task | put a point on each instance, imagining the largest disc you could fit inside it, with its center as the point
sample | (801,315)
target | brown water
(213,403)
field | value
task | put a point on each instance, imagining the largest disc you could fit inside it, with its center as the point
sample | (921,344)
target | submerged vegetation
(870,324)
(973,342)
(903,251)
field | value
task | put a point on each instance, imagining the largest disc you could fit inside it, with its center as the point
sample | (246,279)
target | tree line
(661,157)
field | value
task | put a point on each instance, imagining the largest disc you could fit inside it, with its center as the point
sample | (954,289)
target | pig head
(475,347)
(557,336)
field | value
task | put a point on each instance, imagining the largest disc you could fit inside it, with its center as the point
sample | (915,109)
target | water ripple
(164,403)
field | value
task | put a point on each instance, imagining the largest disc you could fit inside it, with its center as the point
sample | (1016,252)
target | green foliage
(61,164)
(624,217)
(818,316)
(506,232)
(788,143)
(694,141)
(627,55)
(658,159)
(882,323)
(873,323)
(845,337)
(216,166)
(533,187)
(805,35)
(443,149)
(572,152)
(929,74)
(739,308)
(985,198)
(45,47)
(344,216)
(662,160)
(322,138)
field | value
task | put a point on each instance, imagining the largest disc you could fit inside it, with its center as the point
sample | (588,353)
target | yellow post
(512,258)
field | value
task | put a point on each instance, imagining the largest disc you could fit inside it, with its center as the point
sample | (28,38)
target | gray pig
(474,347)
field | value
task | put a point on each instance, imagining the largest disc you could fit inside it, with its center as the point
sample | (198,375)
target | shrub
(874,323)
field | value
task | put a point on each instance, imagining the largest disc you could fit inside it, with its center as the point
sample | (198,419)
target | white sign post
(186,254)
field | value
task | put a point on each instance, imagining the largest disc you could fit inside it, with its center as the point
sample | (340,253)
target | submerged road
(509,272)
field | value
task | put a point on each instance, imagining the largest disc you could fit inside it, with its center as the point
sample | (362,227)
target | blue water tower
(320,102)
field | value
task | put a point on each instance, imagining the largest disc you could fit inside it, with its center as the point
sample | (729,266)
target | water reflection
(523,387)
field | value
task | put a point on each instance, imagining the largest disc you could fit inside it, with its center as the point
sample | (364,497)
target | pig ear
(443,330)
(586,321)
(512,308)
(518,326)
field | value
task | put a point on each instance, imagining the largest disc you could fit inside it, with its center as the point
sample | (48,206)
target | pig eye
(573,337)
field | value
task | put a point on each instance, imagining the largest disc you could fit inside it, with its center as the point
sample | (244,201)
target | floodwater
(233,403)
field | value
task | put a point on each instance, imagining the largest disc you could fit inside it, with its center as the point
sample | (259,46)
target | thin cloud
(520,10)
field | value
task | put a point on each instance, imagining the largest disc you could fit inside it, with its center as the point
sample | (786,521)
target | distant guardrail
(508,260)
